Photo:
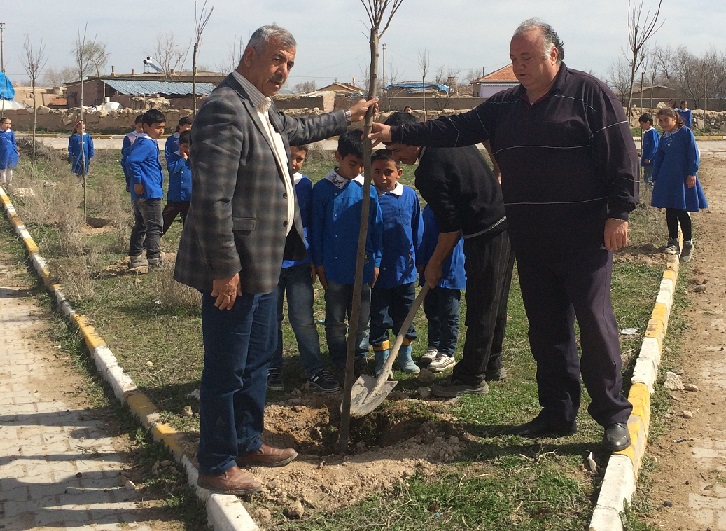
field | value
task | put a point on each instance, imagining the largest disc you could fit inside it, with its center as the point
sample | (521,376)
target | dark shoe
(542,427)
(672,247)
(451,388)
(360,366)
(275,381)
(155,263)
(138,261)
(616,437)
(324,381)
(233,481)
(267,456)
(687,252)
(496,376)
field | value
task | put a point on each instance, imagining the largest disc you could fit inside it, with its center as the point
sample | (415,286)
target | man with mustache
(243,215)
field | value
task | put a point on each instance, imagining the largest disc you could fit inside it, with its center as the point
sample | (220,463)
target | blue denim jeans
(238,346)
(146,232)
(442,307)
(389,307)
(338,301)
(297,283)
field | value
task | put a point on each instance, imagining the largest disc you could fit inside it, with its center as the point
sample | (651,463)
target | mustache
(277,79)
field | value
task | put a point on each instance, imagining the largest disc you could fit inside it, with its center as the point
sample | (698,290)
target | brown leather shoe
(267,456)
(233,481)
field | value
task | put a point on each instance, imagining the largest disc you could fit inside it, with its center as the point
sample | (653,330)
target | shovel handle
(399,338)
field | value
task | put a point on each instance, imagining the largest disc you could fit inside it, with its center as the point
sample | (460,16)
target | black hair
(185,137)
(302,147)
(351,143)
(139,119)
(645,117)
(185,120)
(400,118)
(384,154)
(153,116)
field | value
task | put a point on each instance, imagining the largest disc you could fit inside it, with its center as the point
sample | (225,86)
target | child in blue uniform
(395,288)
(441,304)
(147,179)
(296,282)
(126,148)
(676,185)
(649,147)
(80,149)
(337,204)
(180,183)
(8,151)
(686,114)
(171,147)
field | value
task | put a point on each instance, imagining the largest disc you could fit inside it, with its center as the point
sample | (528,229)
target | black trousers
(555,291)
(489,263)
(170,212)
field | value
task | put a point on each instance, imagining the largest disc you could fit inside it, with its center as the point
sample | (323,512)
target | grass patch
(153,327)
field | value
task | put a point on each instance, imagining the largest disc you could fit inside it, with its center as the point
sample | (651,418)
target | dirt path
(689,484)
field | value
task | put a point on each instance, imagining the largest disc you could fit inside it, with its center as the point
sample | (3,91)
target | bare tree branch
(639,33)
(33,60)
(200,22)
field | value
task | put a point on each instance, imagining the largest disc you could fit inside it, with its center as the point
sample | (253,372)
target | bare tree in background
(639,33)
(33,60)
(380,13)
(234,56)
(304,87)
(618,77)
(423,64)
(169,55)
(56,77)
(200,22)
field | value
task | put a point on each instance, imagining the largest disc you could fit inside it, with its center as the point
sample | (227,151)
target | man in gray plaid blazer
(243,215)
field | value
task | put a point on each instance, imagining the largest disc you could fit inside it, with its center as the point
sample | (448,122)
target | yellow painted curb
(140,404)
(165,433)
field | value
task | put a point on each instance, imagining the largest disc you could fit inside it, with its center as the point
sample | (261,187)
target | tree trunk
(360,255)
(194,79)
(35,115)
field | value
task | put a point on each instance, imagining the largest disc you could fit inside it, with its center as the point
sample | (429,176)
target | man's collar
(261,102)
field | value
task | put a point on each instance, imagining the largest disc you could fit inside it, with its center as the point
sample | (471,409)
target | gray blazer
(237,220)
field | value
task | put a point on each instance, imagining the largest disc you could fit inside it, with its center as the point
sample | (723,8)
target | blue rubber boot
(405,362)
(381,357)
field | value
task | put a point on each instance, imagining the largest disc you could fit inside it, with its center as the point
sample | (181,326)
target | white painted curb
(224,512)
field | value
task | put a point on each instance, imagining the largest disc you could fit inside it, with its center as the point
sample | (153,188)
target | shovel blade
(363,398)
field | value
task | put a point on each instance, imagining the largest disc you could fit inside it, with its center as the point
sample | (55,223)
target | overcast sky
(332,34)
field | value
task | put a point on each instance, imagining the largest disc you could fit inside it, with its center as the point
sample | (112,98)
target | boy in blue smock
(126,148)
(80,149)
(441,304)
(296,281)
(8,151)
(337,204)
(180,183)
(395,288)
(171,147)
(146,180)
(649,147)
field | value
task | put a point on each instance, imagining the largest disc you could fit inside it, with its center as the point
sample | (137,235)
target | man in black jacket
(467,201)
(569,179)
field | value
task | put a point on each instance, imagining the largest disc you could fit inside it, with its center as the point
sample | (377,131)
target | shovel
(368,391)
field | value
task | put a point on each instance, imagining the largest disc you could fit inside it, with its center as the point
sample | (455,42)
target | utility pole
(383,75)
(2,48)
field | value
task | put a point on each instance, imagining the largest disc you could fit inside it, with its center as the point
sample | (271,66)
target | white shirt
(262,105)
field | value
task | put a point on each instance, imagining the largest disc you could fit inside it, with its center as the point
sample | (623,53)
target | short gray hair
(263,35)
(549,35)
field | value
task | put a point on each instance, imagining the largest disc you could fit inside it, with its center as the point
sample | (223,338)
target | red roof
(504,74)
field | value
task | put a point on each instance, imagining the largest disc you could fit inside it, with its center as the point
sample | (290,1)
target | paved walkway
(58,465)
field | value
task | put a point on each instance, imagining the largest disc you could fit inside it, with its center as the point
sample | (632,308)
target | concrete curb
(224,512)
(621,475)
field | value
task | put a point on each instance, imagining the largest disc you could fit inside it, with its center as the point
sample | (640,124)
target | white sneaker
(429,356)
(441,362)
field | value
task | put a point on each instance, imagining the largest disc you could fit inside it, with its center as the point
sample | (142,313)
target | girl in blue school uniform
(676,185)
(395,289)
(80,149)
(8,151)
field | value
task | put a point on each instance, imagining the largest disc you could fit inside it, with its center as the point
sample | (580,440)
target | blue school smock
(128,141)
(687,116)
(649,147)
(304,194)
(171,146)
(74,153)
(402,233)
(335,226)
(453,274)
(8,150)
(677,158)
(180,180)
(145,168)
